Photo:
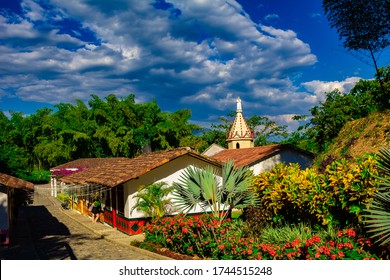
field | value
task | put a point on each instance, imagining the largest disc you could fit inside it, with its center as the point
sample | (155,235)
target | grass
(284,234)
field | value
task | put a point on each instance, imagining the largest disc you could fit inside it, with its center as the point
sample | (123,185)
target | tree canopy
(362,25)
(109,127)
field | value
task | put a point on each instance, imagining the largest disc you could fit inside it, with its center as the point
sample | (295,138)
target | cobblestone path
(44,232)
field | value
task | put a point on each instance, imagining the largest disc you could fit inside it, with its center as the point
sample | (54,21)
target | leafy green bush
(37,176)
(337,196)
(256,219)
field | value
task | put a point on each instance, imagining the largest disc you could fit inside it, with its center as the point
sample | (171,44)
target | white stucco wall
(212,150)
(168,173)
(286,156)
(3,208)
(265,165)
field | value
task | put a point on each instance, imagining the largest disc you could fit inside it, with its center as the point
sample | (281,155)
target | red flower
(221,247)
(325,250)
(250,252)
(316,238)
(348,245)
(341,254)
(296,242)
(360,240)
(184,230)
(333,256)
(351,233)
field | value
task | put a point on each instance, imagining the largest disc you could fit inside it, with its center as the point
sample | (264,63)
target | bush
(302,231)
(207,237)
(338,196)
(37,176)
(256,219)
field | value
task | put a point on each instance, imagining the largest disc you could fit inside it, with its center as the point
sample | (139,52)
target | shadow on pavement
(38,235)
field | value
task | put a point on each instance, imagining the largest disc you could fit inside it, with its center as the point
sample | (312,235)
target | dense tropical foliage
(328,117)
(104,128)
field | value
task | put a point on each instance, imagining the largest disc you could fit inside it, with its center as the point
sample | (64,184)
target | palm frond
(151,199)
(202,187)
(378,219)
(384,160)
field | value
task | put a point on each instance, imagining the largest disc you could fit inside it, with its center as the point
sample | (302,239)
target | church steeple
(240,135)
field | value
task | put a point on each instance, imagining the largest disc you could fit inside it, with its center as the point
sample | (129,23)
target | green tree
(330,116)
(152,200)
(202,187)
(362,25)
(266,130)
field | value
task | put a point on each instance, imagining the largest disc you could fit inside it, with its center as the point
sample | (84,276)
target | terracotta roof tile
(124,170)
(247,156)
(87,162)
(13,182)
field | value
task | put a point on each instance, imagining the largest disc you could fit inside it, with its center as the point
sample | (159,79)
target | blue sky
(278,56)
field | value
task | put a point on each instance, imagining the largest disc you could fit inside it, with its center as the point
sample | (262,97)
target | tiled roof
(87,162)
(247,156)
(124,170)
(13,182)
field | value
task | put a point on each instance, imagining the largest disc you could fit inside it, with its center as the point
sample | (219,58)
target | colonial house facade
(118,181)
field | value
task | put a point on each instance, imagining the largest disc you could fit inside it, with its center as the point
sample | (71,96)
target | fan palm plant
(202,187)
(152,200)
(378,219)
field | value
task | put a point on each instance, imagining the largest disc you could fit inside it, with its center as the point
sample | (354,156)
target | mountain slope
(359,137)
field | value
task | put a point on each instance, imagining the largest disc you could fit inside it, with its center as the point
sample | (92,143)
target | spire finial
(239,107)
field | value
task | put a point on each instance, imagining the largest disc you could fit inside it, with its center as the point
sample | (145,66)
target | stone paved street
(44,231)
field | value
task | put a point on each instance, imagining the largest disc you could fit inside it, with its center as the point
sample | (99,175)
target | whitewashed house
(119,180)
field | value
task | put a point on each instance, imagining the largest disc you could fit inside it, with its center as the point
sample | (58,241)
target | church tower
(240,135)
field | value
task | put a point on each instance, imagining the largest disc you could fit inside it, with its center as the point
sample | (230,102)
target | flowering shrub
(208,237)
(347,247)
(65,172)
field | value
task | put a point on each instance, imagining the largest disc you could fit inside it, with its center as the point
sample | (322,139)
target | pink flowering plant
(62,172)
(208,237)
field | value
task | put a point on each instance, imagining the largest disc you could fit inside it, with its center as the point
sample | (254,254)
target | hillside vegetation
(358,137)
